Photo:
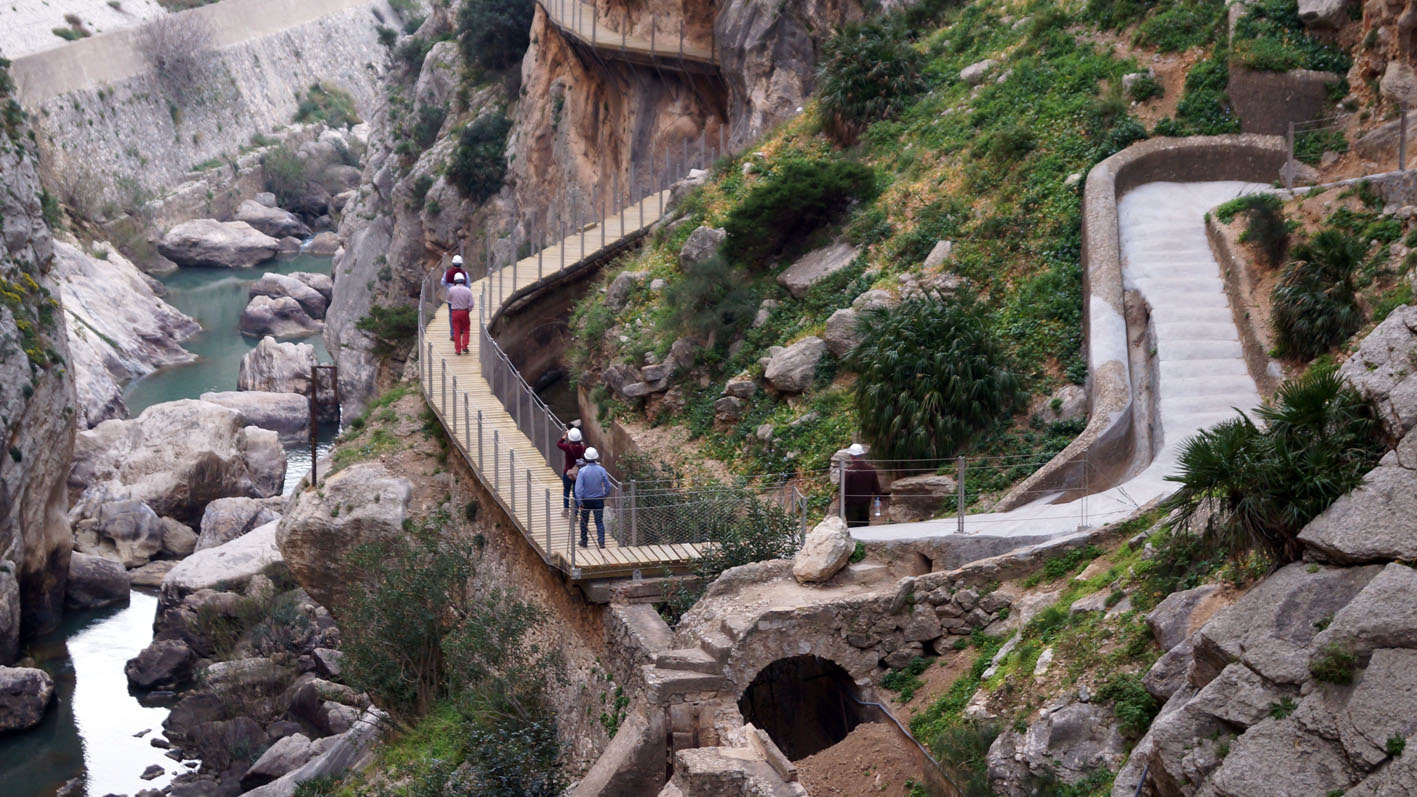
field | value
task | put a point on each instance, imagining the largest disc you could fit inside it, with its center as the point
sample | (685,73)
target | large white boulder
(287,414)
(177,457)
(311,300)
(816,266)
(274,222)
(208,243)
(277,367)
(793,369)
(229,565)
(827,550)
(119,328)
(281,317)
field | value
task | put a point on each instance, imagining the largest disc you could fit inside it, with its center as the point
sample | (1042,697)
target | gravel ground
(27,26)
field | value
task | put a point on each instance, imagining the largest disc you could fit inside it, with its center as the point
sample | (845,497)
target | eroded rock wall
(36,402)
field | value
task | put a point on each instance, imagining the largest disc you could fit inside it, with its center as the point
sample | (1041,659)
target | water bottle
(876,506)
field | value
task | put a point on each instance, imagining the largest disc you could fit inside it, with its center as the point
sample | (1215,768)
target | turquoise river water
(97,730)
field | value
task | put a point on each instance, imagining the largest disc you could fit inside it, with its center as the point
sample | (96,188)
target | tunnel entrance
(804,703)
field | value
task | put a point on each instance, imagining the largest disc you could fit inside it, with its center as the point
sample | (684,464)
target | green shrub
(1144,88)
(1265,225)
(1133,705)
(1204,108)
(393,328)
(388,36)
(420,189)
(495,33)
(1334,663)
(713,299)
(1395,745)
(905,681)
(784,211)
(931,375)
(1182,25)
(1271,37)
(1282,708)
(412,52)
(1310,145)
(1315,304)
(1245,488)
(427,124)
(284,175)
(868,72)
(479,163)
(328,104)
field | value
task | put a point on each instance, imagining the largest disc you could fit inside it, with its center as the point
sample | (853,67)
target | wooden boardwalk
(506,461)
(665,46)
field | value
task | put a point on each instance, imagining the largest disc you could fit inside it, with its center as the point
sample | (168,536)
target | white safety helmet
(574,435)
(459,278)
(457,260)
(591,454)
(856,450)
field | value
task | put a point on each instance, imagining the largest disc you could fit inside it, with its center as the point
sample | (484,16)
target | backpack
(572,472)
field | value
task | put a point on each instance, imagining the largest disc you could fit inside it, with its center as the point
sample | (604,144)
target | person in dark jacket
(570,444)
(592,488)
(861,487)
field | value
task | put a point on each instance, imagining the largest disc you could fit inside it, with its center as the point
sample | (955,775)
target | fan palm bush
(931,375)
(1315,303)
(868,73)
(1248,486)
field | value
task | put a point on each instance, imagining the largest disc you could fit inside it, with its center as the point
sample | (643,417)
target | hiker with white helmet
(448,281)
(460,312)
(574,448)
(592,488)
(860,487)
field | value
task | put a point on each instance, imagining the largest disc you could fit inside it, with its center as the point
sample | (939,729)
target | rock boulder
(231,565)
(225,519)
(1327,14)
(281,318)
(164,663)
(286,414)
(95,582)
(702,245)
(274,222)
(816,266)
(177,457)
(208,243)
(1382,369)
(842,334)
(827,549)
(921,497)
(320,282)
(324,244)
(358,505)
(1067,743)
(1376,522)
(25,693)
(275,286)
(124,530)
(793,369)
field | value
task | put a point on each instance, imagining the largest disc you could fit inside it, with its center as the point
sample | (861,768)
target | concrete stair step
(1169,350)
(1196,330)
(661,685)
(1202,369)
(717,645)
(689,659)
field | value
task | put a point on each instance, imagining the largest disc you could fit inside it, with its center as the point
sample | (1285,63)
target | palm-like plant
(1315,303)
(1245,486)
(931,376)
(868,73)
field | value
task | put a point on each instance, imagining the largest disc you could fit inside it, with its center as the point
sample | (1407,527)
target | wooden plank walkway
(666,46)
(506,461)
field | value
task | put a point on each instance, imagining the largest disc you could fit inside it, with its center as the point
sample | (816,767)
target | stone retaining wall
(1109,445)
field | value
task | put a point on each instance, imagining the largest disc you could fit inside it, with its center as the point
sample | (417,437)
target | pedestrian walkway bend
(1200,371)
(505,460)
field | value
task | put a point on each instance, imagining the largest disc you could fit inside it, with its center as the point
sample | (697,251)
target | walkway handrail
(582,21)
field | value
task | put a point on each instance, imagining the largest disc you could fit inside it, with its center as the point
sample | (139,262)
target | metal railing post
(496,461)
(454,413)
(1402,138)
(527,496)
(548,521)
(467,423)
(512,479)
(481,462)
(841,500)
(594,22)
(959,493)
(430,367)
(634,515)
(540,250)
(444,372)
(615,202)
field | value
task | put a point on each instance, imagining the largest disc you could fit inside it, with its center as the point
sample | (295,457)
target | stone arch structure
(805,703)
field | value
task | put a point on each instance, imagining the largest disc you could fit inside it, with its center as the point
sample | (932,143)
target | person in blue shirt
(592,488)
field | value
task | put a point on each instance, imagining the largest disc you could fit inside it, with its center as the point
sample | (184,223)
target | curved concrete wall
(1103,454)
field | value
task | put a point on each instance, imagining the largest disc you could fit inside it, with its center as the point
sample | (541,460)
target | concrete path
(111,57)
(1200,367)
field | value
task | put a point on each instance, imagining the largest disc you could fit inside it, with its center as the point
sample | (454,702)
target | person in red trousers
(460,309)
(453,270)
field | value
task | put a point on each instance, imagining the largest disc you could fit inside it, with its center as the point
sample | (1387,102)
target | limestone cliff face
(36,403)
(583,124)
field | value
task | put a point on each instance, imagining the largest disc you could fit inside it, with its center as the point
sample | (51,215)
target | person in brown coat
(861,487)
(570,443)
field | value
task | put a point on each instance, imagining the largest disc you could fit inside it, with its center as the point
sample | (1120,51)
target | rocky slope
(36,399)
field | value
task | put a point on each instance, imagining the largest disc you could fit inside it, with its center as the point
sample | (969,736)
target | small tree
(1244,487)
(176,46)
(931,376)
(868,73)
(495,33)
(479,164)
(784,212)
